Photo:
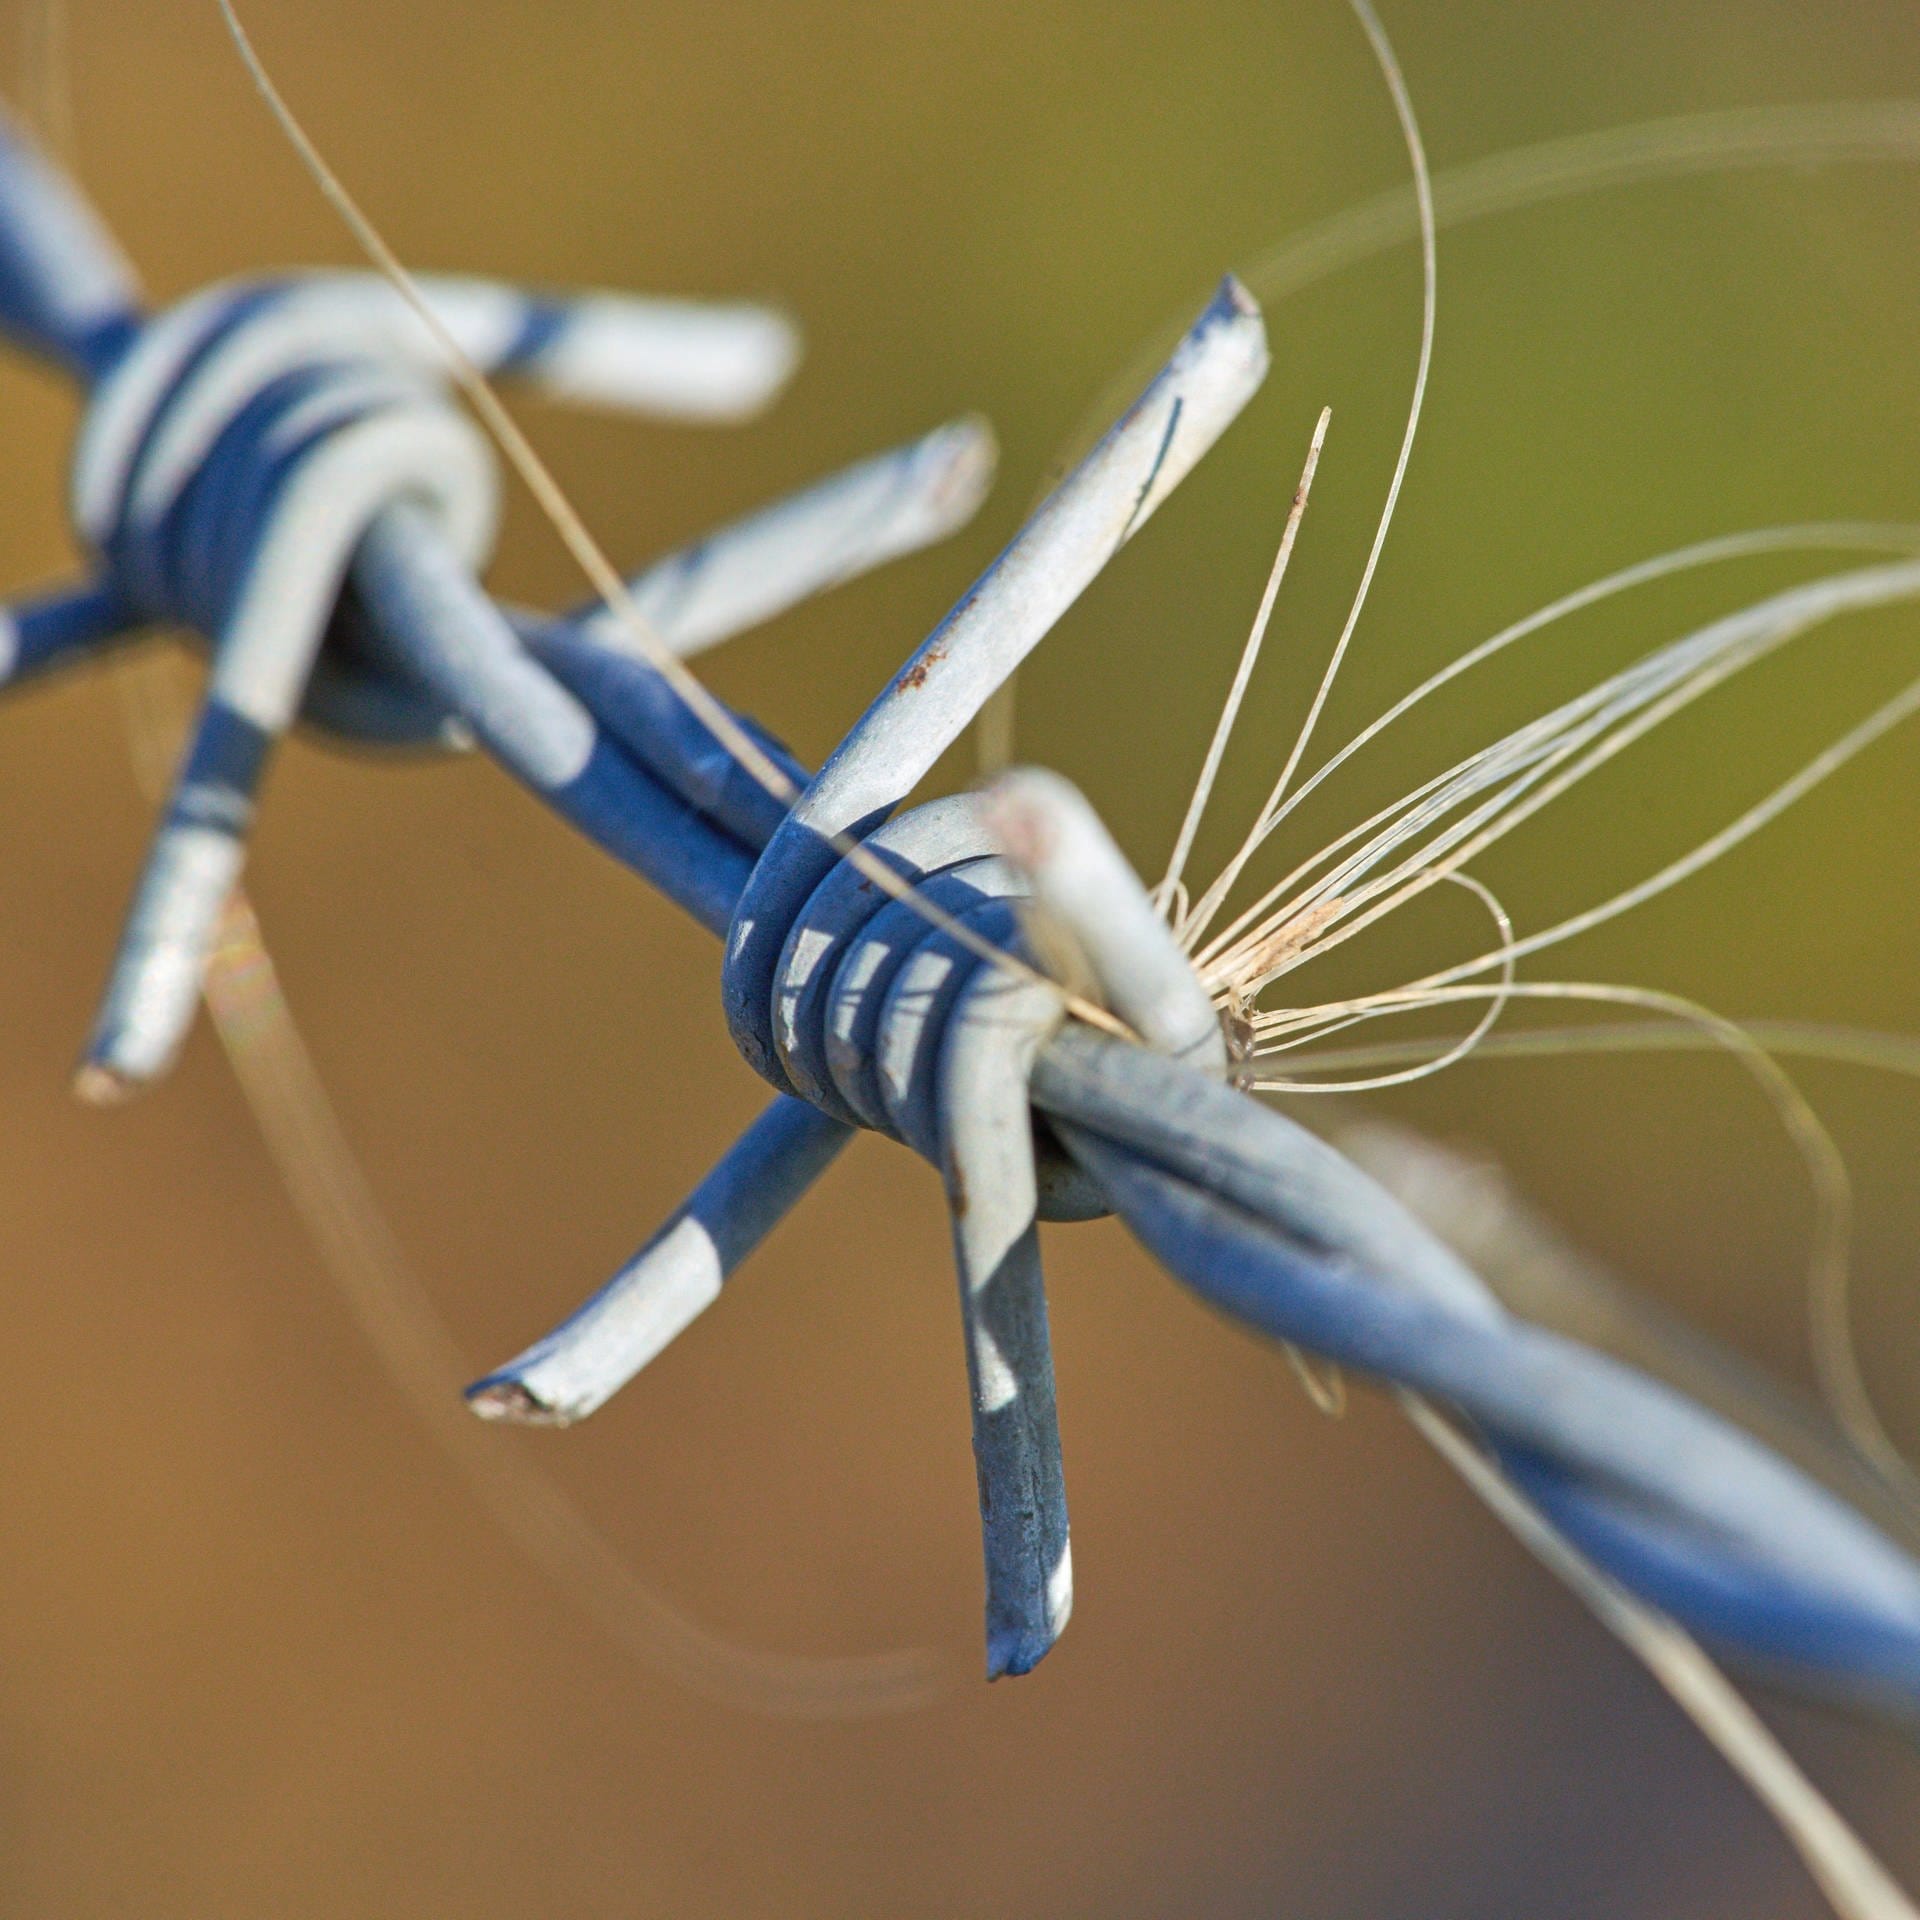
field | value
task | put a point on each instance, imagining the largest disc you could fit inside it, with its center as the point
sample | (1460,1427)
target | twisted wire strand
(269,489)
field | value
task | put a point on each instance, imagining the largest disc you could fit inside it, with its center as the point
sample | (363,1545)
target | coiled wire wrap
(274,466)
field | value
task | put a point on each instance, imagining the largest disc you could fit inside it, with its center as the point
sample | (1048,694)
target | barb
(323,1176)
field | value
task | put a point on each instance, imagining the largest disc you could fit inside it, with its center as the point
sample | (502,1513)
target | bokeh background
(261,1649)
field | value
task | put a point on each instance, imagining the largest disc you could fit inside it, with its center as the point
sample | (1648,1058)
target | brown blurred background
(261,1652)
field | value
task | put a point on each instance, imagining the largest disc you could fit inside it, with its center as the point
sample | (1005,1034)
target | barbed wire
(277,466)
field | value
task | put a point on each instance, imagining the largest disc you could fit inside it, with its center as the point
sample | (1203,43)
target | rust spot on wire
(915,676)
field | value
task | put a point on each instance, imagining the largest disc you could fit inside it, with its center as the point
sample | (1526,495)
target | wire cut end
(510,1403)
(104,1086)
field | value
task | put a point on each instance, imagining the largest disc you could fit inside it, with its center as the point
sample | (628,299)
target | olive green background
(260,1650)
